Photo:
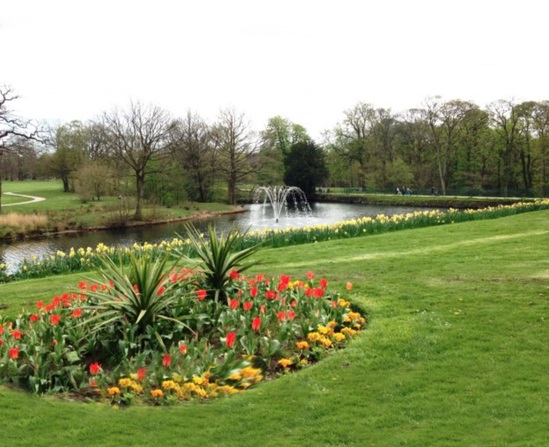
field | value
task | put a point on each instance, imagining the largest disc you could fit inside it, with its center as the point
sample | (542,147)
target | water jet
(277,197)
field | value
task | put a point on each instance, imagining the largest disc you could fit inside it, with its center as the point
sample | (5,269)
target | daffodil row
(84,259)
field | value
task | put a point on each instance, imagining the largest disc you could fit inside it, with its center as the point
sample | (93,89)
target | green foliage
(276,142)
(94,180)
(219,256)
(135,298)
(305,167)
(163,186)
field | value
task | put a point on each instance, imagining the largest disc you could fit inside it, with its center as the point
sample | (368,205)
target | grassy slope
(456,354)
(66,211)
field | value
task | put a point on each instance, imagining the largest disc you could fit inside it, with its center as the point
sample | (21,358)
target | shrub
(133,302)
(219,257)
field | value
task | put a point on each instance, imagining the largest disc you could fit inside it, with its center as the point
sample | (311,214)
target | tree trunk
(543,171)
(231,196)
(140,189)
(441,164)
(1,156)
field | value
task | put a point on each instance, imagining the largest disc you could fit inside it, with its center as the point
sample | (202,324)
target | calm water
(256,217)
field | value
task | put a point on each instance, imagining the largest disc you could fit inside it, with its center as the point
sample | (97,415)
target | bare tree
(354,140)
(97,147)
(444,120)
(193,148)
(12,128)
(506,119)
(137,137)
(414,136)
(21,160)
(236,149)
(384,134)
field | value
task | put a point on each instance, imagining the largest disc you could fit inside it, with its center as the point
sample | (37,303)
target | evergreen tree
(305,167)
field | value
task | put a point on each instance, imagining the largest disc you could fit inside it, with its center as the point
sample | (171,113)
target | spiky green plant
(219,256)
(138,299)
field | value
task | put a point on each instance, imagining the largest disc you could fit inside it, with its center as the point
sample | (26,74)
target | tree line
(145,152)
(455,145)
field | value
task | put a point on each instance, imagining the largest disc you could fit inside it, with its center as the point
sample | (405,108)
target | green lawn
(455,354)
(67,211)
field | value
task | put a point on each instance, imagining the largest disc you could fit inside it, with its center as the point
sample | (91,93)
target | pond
(255,217)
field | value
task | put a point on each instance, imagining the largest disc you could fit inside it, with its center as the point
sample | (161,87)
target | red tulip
(231,338)
(141,373)
(13,353)
(256,323)
(95,368)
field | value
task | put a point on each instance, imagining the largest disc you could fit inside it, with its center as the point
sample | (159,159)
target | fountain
(278,196)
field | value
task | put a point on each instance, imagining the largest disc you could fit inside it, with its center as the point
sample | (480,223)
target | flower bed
(194,347)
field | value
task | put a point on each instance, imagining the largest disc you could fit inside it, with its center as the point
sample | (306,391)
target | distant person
(398,191)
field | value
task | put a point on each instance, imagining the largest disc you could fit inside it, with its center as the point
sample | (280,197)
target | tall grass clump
(27,222)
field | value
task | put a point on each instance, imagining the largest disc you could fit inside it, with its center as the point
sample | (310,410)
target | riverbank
(149,223)
(96,217)
(101,217)
(71,253)
(455,202)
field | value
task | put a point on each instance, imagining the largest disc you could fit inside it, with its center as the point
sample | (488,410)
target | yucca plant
(137,300)
(219,256)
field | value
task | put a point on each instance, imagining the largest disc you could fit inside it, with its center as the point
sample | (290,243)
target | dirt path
(33,199)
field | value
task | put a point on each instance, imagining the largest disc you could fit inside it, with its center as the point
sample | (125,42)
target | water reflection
(257,217)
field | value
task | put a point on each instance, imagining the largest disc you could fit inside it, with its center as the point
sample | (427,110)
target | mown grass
(455,354)
(417,200)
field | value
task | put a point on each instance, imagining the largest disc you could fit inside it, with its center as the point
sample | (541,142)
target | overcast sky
(306,60)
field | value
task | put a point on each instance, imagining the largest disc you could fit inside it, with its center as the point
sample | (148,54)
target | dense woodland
(453,147)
